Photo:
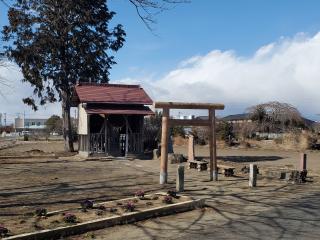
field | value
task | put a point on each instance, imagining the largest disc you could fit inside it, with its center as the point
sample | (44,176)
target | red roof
(111,93)
(126,110)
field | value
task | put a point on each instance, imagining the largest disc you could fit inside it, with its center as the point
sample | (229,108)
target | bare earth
(274,210)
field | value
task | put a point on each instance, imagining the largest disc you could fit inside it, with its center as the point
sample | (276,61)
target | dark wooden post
(303,162)
(213,146)
(164,146)
(105,134)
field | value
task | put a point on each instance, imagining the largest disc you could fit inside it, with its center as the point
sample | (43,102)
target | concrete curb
(110,221)
(28,156)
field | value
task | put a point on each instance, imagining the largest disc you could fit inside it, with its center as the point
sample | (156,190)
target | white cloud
(287,71)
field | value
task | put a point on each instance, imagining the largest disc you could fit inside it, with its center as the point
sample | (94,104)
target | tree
(275,116)
(54,124)
(58,43)
(148,9)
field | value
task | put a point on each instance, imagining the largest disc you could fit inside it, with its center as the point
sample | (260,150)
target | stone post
(191,148)
(253,175)
(303,162)
(180,179)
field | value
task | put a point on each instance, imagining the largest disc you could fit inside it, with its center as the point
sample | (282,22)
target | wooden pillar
(105,135)
(303,162)
(141,134)
(127,136)
(213,146)
(164,146)
(88,143)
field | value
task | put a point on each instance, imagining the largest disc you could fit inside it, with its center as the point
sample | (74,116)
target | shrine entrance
(167,123)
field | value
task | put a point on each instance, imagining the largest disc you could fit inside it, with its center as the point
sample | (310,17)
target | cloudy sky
(239,53)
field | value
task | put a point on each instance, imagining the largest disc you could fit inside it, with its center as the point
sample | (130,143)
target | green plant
(69,218)
(41,212)
(3,231)
(25,137)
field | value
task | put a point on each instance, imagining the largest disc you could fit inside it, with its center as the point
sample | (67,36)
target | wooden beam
(189,122)
(213,146)
(164,146)
(183,105)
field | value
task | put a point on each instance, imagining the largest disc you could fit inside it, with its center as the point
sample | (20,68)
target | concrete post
(180,179)
(253,175)
(191,148)
(303,162)
(164,146)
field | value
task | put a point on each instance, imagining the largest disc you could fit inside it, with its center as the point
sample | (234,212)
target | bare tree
(148,9)
(275,116)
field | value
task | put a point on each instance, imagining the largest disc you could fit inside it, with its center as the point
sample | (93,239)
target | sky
(237,52)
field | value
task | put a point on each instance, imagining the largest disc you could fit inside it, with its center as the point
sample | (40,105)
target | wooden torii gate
(167,123)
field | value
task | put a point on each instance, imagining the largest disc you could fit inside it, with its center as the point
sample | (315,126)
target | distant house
(29,124)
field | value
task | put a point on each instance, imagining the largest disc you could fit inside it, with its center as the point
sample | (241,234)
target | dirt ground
(274,210)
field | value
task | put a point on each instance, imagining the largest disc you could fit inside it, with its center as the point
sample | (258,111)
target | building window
(38,123)
(33,123)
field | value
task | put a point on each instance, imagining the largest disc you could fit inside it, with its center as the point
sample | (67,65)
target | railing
(115,143)
(97,142)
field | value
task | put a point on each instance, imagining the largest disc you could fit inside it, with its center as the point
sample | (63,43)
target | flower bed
(112,209)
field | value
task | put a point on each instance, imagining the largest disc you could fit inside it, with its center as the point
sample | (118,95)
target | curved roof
(111,93)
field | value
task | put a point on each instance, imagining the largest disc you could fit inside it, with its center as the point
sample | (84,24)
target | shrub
(41,212)
(25,137)
(3,231)
(167,199)
(69,218)
(139,194)
(87,204)
(129,206)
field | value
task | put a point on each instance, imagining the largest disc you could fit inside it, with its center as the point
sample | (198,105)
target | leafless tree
(275,116)
(147,10)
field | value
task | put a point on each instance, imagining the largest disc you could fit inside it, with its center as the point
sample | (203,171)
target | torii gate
(167,123)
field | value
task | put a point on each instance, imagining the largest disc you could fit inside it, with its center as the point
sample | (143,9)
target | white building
(26,124)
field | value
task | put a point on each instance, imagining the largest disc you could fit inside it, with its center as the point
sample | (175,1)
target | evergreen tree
(58,43)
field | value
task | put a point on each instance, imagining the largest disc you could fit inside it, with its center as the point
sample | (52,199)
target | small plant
(140,194)
(3,231)
(167,199)
(155,197)
(69,218)
(102,208)
(100,212)
(87,204)
(112,210)
(172,193)
(41,212)
(130,206)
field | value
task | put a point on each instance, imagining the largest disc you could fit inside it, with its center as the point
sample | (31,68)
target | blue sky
(238,52)
(204,25)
